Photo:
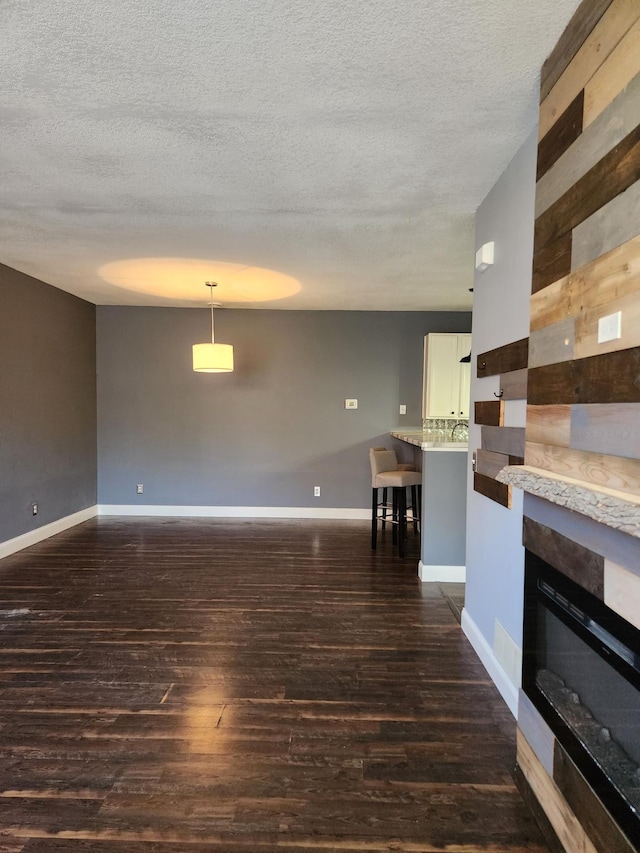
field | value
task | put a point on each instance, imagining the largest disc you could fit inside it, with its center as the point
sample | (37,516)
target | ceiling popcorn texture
(344,145)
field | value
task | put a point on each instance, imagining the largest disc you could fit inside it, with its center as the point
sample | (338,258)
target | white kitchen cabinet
(446,382)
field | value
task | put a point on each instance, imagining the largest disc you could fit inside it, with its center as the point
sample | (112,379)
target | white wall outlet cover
(610,327)
(403,409)
(484,256)
(351,404)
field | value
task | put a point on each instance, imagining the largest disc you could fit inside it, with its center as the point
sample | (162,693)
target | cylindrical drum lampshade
(212,358)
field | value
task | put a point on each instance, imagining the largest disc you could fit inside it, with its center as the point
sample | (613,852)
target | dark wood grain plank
(596,820)
(573,37)
(503,359)
(561,136)
(552,262)
(612,175)
(575,561)
(490,412)
(612,377)
(490,488)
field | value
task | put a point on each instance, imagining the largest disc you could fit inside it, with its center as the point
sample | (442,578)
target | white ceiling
(345,144)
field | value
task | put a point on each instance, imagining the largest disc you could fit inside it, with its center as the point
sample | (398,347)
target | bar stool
(386,473)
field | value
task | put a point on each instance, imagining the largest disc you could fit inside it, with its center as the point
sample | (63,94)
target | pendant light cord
(211,285)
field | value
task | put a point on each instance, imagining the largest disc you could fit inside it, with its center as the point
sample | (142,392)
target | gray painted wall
(267,433)
(47,403)
(495,556)
(444,508)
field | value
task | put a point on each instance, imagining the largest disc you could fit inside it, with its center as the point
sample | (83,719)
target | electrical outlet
(140,488)
(34,509)
(403,409)
(316,491)
(351,404)
(610,327)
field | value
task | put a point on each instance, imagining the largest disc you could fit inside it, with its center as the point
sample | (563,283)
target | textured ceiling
(345,145)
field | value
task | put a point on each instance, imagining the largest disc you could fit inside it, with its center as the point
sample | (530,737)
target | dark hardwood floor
(212,685)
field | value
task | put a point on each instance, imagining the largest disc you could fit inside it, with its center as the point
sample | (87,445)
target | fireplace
(581,670)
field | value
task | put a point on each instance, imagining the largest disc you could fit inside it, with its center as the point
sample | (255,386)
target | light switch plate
(610,327)
(403,409)
(351,404)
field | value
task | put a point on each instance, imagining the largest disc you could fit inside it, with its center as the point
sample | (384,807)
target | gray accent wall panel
(444,507)
(269,432)
(47,403)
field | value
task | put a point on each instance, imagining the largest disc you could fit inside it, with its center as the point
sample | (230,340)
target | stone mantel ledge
(619,510)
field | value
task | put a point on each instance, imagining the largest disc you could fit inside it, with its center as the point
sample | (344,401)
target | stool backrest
(381,460)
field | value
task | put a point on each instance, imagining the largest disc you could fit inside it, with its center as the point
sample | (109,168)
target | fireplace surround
(581,671)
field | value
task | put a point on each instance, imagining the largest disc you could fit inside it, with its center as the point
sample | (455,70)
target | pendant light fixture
(212,357)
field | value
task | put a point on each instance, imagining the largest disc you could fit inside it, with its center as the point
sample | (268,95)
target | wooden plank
(490,488)
(611,543)
(489,463)
(583,21)
(514,384)
(585,804)
(554,384)
(562,819)
(530,800)
(554,303)
(490,412)
(549,425)
(509,440)
(605,36)
(610,128)
(613,377)
(561,136)
(609,277)
(601,469)
(622,592)
(552,262)
(611,429)
(613,225)
(612,175)
(511,356)
(553,343)
(614,74)
(584,567)
(594,286)
(536,731)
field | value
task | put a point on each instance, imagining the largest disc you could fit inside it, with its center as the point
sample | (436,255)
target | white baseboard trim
(10,546)
(508,690)
(337,513)
(446,574)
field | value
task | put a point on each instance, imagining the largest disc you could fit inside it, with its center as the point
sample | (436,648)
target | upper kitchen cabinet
(445,388)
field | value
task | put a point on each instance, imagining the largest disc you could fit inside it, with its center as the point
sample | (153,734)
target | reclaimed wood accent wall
(501,445)
(583,404)
(583,396)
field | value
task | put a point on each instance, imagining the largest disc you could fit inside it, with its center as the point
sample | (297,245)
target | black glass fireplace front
(581,669)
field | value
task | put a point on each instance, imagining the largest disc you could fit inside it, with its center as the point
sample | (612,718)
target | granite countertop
(430,440)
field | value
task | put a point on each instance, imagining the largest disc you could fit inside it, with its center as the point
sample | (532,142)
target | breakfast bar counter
(444,504)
